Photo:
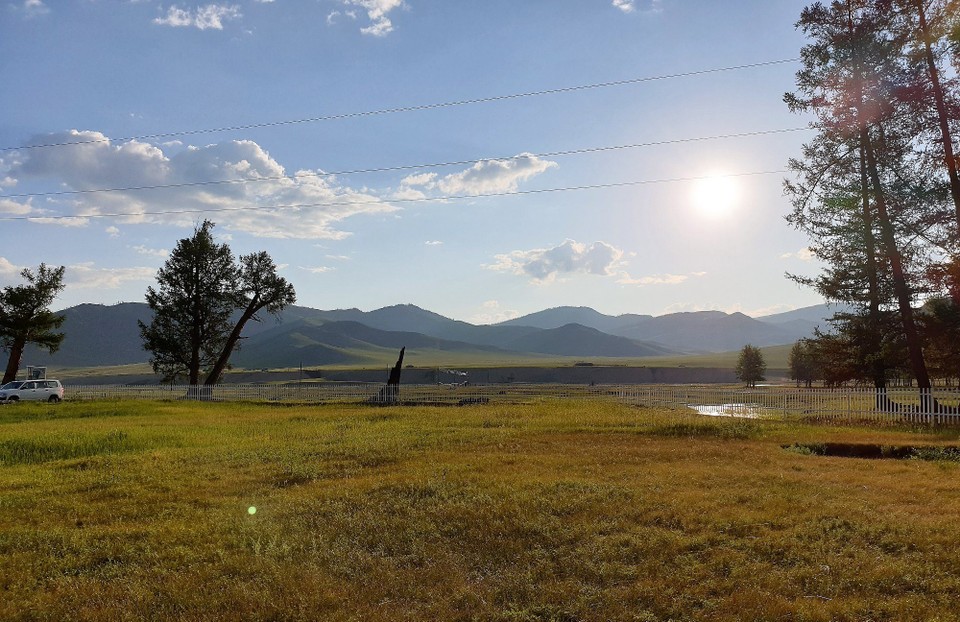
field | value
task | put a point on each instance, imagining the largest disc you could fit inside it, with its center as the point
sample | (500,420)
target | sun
(715,195)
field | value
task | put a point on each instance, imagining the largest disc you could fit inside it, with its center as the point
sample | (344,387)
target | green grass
(553,511)
(775,357)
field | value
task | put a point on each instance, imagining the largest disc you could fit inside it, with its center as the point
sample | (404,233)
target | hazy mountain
(412,318)
(579,340)
(108,335)
(707,331)
(585,316)
(817,314)
(315,342)
(96,335)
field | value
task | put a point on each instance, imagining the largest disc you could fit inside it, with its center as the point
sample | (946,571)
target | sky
(482,160)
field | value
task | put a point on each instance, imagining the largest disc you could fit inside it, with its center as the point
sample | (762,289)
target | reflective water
(749,411)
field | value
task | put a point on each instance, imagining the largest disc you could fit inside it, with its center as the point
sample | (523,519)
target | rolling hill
(99,335)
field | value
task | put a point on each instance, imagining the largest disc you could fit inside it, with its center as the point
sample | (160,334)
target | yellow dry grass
(563,511)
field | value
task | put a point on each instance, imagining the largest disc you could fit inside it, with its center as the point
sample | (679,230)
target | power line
(512,193)
(405,167)
(415,108)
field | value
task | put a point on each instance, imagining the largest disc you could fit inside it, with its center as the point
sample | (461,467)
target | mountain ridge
(102,335)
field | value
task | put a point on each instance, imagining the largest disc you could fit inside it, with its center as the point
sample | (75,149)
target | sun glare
(716,195)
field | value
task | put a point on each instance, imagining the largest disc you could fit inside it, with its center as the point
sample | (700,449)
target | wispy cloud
(493,313)
(804,254)
(378,12)
(657,279)
(570,257)
(273,204)
(89,276)
(641,6)
(34,8)
(484,177)
(7,268)
(210,16)
(9,207)
(158,253)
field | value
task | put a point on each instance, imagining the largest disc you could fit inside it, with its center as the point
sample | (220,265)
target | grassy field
(775,356)
(562,511)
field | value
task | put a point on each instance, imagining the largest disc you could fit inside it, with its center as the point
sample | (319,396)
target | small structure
(390,394)
(36,373)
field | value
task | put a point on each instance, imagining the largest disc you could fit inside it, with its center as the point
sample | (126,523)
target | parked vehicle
(32,390)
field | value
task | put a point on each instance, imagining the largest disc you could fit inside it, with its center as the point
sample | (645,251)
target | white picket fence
(774,402)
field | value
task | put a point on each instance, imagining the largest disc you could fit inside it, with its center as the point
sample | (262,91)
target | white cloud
(13,208)
(492,313)
(210,16)
(657,279)
(73,221)
(112,231)
(433,243)
(34,8)
(423,179)
(804,254)
(570,257)
(260,208)
(317,269)
(159,253)
(7,268)
(492,176)
(484,177)
(88,276)
(377,11)
(643,6)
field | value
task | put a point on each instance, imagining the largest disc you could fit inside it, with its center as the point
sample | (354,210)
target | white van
(32,390)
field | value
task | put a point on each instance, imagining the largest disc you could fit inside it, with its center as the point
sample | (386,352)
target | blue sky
(140,83)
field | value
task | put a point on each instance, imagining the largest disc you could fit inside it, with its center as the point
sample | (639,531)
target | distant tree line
(877,190)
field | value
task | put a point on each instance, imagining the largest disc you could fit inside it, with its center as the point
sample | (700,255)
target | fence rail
(849,404)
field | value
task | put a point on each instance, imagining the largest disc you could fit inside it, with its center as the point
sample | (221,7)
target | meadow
(547,511)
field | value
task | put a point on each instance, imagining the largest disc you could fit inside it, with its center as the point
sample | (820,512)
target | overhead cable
(511,193)
(405,167)
(414,108)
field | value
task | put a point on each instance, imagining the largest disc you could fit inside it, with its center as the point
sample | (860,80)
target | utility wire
(416,108)
(512,193)
(406,167)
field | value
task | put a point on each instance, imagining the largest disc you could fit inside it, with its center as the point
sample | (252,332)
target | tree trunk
(900,286)
(221,365)
(13,363)
(942,115)
(878,369)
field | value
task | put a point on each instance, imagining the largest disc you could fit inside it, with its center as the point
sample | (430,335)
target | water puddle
(747,411)
(877,452)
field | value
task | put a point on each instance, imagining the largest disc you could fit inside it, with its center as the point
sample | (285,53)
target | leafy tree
(195,297)
(861,184)
(750,365)
(200,289)
(262,289)
(940,321)
(803,363)
(25,316)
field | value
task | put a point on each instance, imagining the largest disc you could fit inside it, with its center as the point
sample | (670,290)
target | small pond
(748,411)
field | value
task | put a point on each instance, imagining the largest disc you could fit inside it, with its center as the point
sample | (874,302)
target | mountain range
(98,335)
